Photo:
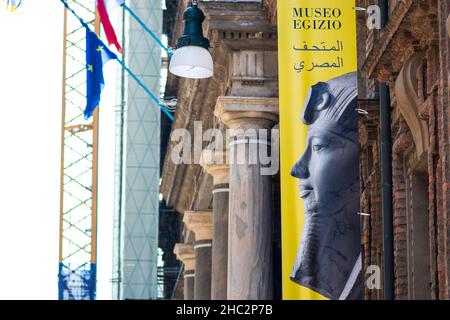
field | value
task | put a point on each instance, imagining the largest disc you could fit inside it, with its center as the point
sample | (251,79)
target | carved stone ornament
(406,91)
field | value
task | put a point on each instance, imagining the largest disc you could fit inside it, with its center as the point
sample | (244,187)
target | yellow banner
(319,149)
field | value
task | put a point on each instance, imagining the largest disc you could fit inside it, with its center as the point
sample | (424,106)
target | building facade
(411,56)
(230,232)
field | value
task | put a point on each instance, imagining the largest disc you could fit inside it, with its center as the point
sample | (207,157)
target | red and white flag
(105,7)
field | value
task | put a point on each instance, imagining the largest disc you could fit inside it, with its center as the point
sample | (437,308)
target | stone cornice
(409,29)
(234,16)
(173,175)
(196,100)
(237,25)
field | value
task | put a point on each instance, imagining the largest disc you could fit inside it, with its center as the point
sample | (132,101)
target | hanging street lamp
(192,58)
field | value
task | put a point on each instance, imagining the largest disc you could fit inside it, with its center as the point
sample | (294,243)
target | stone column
(200,222)
(185,253)
(250,265)
(214,163)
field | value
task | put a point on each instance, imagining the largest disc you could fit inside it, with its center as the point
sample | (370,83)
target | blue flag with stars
(97,54)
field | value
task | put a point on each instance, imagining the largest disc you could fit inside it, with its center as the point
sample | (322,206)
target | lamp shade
(192,62)
(192,58)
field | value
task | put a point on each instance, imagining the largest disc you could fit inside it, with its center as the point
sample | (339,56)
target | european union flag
(97,54)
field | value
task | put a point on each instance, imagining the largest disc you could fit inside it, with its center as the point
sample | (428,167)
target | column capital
(215,163)
(200,222)
(185,253)
(247,112)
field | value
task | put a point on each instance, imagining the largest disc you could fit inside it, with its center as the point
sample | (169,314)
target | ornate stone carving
(406,92)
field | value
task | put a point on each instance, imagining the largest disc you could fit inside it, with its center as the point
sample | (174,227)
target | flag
(97,54)
(105,8)
(12,5)
(319,150)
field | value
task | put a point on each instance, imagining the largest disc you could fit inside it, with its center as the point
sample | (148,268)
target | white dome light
(192,62)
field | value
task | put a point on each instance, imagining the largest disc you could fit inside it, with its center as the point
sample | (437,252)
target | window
(418,243)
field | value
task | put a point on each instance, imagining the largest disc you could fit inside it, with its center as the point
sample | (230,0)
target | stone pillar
(200,222)
(214,163)
(185,253)
(250,265)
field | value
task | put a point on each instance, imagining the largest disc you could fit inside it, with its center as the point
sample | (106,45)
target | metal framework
(79,155)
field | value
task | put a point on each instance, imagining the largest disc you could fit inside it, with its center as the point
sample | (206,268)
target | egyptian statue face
(328,172)
(328,169)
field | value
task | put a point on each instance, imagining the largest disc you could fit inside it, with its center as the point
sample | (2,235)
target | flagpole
(84,24)
(139,82)
(169,53)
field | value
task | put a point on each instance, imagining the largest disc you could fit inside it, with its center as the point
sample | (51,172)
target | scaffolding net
(77,244)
